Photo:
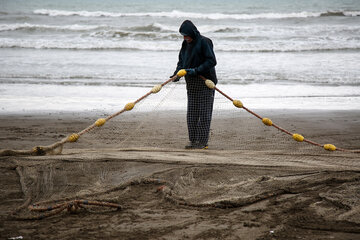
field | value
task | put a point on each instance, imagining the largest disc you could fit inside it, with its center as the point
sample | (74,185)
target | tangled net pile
(120,185)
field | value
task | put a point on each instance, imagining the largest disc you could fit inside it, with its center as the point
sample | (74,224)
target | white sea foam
(352,13)
(28,26)
(164,27)
(168,45)
(88,44)
(180,14)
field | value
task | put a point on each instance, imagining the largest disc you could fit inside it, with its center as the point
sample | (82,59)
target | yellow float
(329,147)
(267,121)
(238,103)
(181,73)
(298,137)
(156,89)
(210,84)
(129,106)
(73,137)
(100,122)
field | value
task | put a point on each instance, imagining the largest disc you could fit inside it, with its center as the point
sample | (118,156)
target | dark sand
(254,182)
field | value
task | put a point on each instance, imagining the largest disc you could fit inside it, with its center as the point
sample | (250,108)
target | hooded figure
(197,57)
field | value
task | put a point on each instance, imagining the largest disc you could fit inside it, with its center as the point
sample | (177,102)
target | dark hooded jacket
(198,54)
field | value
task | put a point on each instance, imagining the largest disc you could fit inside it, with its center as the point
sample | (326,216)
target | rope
(70,206)
(56,148)
(169,194)
(50,208)
(268,122)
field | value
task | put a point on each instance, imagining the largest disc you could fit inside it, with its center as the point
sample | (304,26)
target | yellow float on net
(298,137)
(73,137)
(267,121)
(39,151)
(129,106)
(210,84)
(238,103)
(156,89)
(100,122)
(329,147)
(181,73)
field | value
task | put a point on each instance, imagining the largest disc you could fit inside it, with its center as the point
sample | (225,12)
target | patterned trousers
(199,113)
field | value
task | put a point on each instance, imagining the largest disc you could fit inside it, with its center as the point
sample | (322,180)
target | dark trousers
(199,113)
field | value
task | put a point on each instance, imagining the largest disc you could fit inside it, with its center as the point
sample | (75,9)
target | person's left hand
(190,72)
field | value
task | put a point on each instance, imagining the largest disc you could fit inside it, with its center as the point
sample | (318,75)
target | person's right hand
(176,79)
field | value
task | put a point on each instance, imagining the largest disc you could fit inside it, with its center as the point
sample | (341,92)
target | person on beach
(197,57)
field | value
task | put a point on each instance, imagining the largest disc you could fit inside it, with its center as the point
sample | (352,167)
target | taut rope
(56,148)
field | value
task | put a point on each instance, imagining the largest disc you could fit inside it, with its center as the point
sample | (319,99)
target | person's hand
(176,79)
(190,72)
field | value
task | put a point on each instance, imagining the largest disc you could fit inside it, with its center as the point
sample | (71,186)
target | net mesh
(142,150)
(160,121)
(197,180)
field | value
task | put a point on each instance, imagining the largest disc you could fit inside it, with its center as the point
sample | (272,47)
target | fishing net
(101,183)
(134,126)
(132,153)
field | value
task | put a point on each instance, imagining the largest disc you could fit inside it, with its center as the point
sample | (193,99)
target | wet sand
(254,182)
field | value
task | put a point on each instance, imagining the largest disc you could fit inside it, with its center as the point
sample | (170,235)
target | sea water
(73,55)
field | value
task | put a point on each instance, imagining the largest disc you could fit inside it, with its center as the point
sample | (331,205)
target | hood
(187,28)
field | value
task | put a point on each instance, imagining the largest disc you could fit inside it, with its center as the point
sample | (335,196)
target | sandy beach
(254,182)
(65,64)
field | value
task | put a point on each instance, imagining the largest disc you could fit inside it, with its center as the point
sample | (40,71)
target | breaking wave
(213,16)
(168,45)
(33,27)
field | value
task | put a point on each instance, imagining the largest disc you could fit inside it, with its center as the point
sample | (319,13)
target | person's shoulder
(206,40)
